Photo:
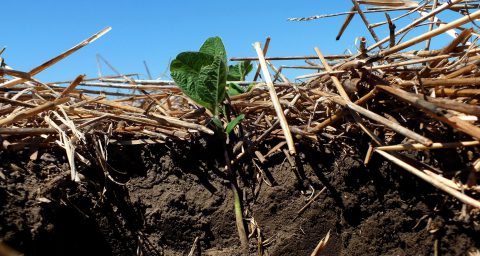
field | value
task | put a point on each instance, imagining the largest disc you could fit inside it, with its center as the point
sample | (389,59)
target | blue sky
(156,31)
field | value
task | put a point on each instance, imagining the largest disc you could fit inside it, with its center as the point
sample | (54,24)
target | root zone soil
(177,192)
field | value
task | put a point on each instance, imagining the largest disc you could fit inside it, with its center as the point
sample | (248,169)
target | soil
(176,192)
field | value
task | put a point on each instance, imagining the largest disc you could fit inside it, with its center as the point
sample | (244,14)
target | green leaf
(202,77)
(234,123)
(217,123)
(214,46)
(239,71)
(234,89)
(250,87)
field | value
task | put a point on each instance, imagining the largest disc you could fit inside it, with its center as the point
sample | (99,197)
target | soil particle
(177,192)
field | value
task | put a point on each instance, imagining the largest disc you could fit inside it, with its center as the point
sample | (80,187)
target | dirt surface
(176,192)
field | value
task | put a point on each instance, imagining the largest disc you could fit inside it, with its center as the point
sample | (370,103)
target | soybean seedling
(202,76)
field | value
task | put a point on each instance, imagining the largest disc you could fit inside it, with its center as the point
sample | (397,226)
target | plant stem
(237,202)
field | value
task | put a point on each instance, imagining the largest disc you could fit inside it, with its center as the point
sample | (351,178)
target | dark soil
(178,191)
